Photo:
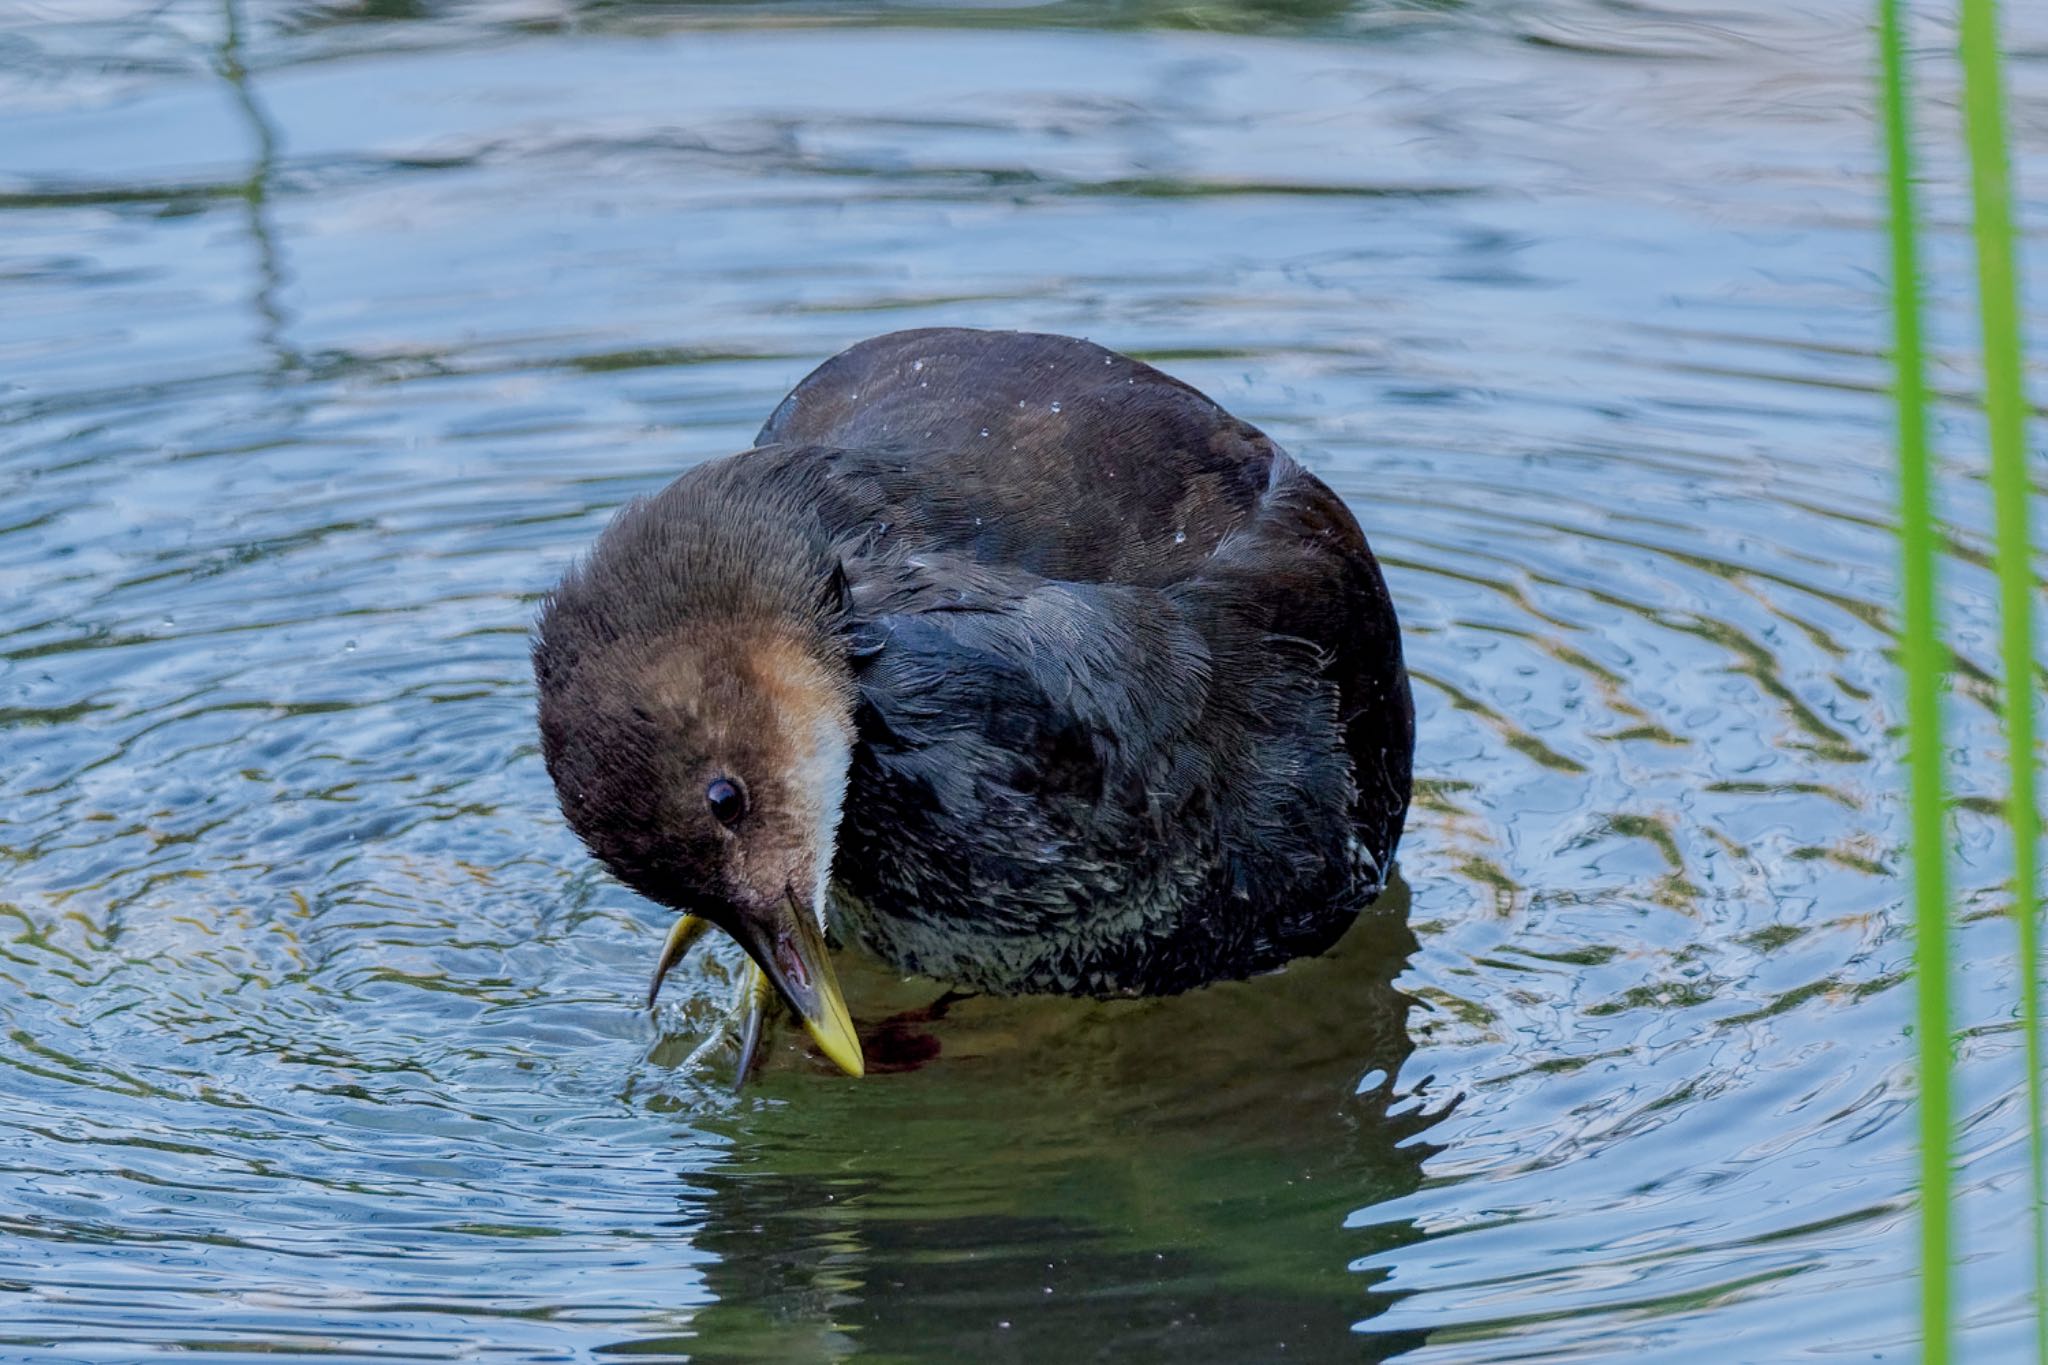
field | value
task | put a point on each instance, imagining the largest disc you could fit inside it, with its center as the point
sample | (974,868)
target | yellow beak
(790,951)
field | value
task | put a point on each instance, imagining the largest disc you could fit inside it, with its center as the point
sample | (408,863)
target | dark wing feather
(1148,655)
(1044,453)
(1027,759)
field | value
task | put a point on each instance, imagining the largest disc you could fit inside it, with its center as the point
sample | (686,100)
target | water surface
(328,333)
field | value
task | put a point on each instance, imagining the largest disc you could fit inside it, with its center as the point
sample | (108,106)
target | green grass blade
(2005,411)
(1924,667)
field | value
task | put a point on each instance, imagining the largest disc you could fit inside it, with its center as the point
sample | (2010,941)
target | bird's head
(705,763)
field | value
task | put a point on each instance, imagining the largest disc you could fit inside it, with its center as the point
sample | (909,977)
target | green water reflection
(328,335)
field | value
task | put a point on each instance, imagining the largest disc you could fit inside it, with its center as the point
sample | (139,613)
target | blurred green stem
(1924,667)
(1998,308)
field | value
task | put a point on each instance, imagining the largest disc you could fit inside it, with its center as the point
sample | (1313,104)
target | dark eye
(727,799)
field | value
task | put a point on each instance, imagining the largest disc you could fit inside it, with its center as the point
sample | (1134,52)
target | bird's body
(1079,684)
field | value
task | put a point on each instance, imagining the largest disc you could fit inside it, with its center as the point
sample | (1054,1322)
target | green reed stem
(1924,664)
(2005,410)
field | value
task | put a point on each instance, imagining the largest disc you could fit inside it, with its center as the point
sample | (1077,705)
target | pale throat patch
(814,714)
(825,775)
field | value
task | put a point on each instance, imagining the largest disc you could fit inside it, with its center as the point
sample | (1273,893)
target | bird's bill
(789,948)
(788,944)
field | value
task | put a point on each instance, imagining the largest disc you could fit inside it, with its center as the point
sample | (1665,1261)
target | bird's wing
(1041,453)
(982,683)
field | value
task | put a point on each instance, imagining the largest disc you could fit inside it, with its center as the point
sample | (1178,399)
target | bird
(1011,659)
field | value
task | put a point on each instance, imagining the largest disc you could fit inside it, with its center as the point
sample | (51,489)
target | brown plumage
(1034,670)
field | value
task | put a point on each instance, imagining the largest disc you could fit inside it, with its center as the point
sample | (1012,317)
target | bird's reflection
(1050,1179)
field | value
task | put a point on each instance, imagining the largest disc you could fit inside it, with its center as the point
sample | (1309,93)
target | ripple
(319,1029)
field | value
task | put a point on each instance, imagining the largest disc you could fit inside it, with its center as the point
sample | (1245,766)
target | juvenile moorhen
(1015,660)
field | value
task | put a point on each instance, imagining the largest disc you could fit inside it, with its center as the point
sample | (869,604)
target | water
(329,332)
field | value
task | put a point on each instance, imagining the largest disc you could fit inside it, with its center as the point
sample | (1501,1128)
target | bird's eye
(727,799)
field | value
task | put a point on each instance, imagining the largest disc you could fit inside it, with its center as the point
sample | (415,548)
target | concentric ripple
(328,333)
